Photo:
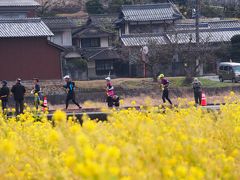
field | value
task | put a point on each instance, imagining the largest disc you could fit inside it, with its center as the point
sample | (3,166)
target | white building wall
(62,38)
(67,38)
(58,39)
(104,42)
(126,28)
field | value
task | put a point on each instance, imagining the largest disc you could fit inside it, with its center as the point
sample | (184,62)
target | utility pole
(198,63)
(197,22)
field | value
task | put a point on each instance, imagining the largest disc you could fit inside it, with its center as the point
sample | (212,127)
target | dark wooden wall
(28,58)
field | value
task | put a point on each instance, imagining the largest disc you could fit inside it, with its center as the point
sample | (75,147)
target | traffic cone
(204,101)
(45,103)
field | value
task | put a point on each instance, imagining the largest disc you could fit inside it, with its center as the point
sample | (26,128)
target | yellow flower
(82,140)
(167,172)
(113,152)
(232,93)
(114,171)
(53,137)
(59,116)
(133,103)
(89,125)
(181,171)
(70,160)
(121,101)
(89,153)
(235,153)
(196,173)
(181,143)
(80,169)
(7,147)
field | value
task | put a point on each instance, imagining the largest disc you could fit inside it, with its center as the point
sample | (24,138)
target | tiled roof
(224,24)
(143,39)
(150,12)
(99,54)
(180,38)
(15,3)
(221,31)
(190,26)
(58,23)
(205,36)
(91,31)
(33,27)
(221,24)
(212,31)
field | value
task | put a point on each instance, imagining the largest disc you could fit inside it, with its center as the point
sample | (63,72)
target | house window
(140,28)
(76,42)
(104,67)
(90,42)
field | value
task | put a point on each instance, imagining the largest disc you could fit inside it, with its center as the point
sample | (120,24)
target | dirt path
(145,100)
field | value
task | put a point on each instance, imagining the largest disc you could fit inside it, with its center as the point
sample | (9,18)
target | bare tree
(48,5)
(183,48)
(194,56)
(158,55)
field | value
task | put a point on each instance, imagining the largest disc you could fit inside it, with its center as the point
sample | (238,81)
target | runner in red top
(112,99)
(110,88)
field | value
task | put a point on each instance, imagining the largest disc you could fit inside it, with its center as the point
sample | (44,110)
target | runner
(70,86)
(164,85)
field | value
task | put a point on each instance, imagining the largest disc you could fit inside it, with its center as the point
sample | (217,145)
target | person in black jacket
(18,91)
(70,86)
(4,94)
(197,89)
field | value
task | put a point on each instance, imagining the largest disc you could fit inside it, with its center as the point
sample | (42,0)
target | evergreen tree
(94,7)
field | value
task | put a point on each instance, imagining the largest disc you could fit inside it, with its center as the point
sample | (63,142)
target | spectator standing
(4,94)
(197,90)
(18,91)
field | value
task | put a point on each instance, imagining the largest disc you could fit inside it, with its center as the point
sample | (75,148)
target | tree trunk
(154,74)
(189,77)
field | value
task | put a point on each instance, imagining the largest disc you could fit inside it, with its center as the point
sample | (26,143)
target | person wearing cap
(197,90)
(164,85)
(110,92)
(4,94)
(18,91)
(70,86)
(37,92)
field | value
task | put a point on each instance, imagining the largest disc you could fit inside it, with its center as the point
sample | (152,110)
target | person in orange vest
(112,98)
(197,90)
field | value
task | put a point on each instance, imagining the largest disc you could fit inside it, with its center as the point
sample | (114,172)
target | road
(212,78)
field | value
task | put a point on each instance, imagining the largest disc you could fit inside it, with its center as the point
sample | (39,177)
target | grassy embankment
(140,83)
(153,95)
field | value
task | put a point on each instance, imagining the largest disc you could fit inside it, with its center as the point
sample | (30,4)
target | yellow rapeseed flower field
(178,143)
